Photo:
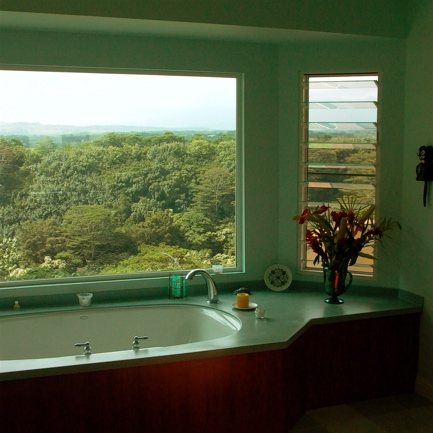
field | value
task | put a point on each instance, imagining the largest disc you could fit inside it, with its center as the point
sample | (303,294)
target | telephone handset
(424,170)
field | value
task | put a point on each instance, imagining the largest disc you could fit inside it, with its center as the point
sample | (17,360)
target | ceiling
(126,26)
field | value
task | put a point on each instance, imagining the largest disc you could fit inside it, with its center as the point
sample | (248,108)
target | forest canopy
(116,204)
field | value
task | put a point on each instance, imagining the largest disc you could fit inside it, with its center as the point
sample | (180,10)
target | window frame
(301,256)
(148,280)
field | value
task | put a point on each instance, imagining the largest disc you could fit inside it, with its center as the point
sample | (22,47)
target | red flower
(336,217)
(313,242)
(304,216)
(309,235)
(337,237)
(315,246)
(321,210)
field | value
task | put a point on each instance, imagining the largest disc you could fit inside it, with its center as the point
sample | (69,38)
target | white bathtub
(54,335)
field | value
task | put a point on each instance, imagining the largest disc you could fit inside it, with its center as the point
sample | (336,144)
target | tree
(202,150)
(144,205)
(157,228)
(45,146)
(9,257)
(109,139)
(199,232)
(12,175)
(226,153)
(91,232)
(170,172)
(154,258)
(93,204)
(40,238)
(215,193)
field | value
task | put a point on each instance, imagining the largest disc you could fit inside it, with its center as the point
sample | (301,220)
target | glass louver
(338,145)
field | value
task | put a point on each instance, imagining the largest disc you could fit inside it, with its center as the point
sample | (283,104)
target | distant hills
(31,133)
(25,128)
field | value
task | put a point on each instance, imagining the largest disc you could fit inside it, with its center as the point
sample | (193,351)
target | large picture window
(338,147)
(112,174)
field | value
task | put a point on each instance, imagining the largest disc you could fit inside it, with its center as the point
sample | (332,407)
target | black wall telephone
(424,170)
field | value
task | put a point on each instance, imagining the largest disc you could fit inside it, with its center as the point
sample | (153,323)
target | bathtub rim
(289,315)
(232,322)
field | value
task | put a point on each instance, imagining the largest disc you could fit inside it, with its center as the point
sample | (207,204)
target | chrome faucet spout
(212,294)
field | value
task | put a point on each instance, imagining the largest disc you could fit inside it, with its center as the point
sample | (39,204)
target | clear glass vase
(336,282)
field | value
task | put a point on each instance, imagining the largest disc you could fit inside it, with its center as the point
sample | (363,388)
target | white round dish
(251,306)
(278,277)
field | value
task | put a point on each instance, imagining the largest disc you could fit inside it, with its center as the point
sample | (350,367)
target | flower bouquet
(338,238)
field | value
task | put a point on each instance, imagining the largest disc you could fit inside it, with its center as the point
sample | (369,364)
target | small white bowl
(85,299)
(218,269)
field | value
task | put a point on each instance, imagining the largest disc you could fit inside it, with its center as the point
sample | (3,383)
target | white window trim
(149,280)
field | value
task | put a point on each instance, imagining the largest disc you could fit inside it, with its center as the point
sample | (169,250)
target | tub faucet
(212,295)
(136,343)
(87,348)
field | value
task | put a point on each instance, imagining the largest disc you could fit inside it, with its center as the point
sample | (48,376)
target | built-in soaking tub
(212,367)
(53,335)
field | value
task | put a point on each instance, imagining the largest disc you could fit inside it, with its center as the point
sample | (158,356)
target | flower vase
(335,284)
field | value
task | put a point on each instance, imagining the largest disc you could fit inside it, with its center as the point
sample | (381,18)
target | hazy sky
(66,98)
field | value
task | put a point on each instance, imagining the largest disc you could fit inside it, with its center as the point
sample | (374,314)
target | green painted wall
(416,267)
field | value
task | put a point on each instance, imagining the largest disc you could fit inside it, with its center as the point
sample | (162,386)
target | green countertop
(288,315)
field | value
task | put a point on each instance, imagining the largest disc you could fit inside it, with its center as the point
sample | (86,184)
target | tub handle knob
(136,343)
(87,348)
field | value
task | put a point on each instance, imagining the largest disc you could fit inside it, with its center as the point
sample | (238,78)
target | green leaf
(367,256)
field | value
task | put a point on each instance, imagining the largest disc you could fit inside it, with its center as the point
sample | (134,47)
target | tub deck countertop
(288,315)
